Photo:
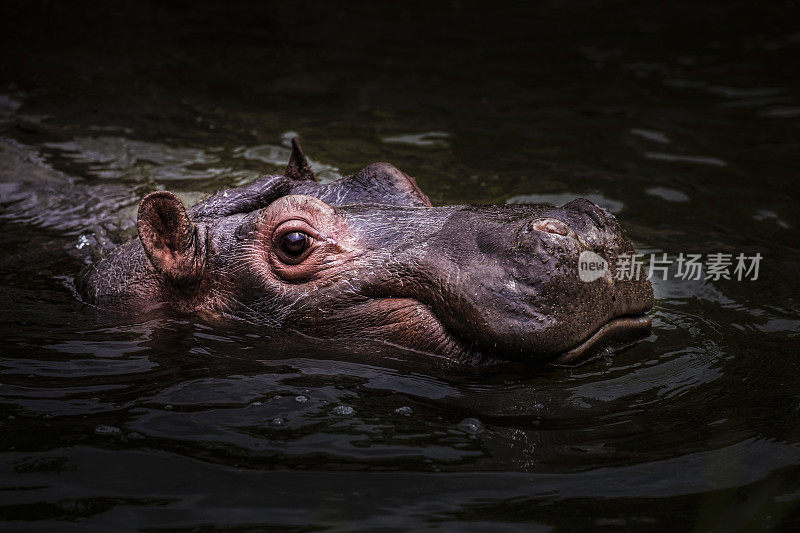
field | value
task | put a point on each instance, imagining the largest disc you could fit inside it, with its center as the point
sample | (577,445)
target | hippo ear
(298,167)
(169,237)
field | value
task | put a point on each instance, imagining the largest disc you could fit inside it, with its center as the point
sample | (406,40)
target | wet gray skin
(471,283)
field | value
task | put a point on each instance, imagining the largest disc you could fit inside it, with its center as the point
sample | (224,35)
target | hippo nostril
(550,225)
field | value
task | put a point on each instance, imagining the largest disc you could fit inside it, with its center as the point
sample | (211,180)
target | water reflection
(702,160)
(650,135)
(437,139)
(615,206)
(279,155)
(670,195)
(691,143)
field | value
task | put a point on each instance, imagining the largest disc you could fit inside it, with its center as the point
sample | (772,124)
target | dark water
(683,120)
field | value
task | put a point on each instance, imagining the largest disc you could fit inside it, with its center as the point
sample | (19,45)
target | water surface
(683,121)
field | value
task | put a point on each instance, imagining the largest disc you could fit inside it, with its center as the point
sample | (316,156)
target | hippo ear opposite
(169,237)
(298,167)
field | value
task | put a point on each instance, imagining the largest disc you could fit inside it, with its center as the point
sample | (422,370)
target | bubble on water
(103,429)
(135,435)
(11,417)
(404,411)
(343,410)
(48,416)
(255,404)
(473,426)
(168,407)
(83,241)
(301,399)
(278,421)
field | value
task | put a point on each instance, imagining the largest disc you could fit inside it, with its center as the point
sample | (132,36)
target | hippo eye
(295,243)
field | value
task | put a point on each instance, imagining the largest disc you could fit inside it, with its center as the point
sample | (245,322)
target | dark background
(681,117)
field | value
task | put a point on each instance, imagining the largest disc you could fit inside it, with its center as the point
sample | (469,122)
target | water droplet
(472,426)
(83,240)
(102,429)
(343,410)
(278,421)
(301,399)
(405,411)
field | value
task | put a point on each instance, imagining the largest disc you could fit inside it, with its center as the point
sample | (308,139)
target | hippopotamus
(369,257)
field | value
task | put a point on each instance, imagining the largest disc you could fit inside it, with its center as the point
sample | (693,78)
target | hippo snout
(504,279)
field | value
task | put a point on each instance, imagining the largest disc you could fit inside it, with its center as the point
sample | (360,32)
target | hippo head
(456,281)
